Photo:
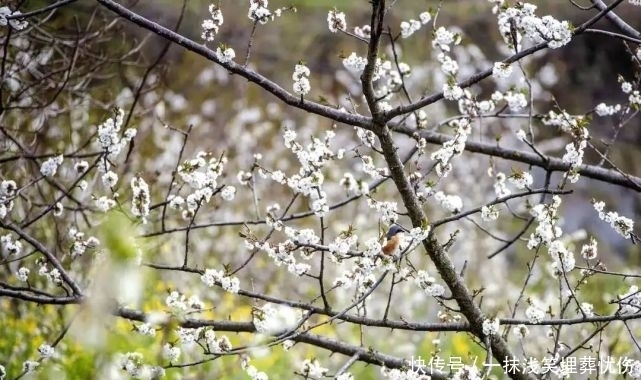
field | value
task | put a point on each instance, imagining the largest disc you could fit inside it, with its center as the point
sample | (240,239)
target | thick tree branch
(252,76)
(367,78)
(616,20)
(439,257)
(548,163)
(51,258)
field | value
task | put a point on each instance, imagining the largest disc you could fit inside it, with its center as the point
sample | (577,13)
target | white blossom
(501,70)
(225,54)
(228,193)
(23,274)
(489,213)
(50,166)
(313,369)
(355,63)
(301,79)
(452,203)
(170,352)
(491,326)
(534,313)
(336,21)
(273,318)
(212,25)
(622,225)
(140,198)
(46,351)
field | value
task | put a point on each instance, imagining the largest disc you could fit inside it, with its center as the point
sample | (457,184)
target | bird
(393,238)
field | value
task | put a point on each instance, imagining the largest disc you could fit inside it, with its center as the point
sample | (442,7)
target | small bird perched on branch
(393,238)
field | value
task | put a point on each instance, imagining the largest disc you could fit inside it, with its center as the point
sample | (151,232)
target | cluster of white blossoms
(491,326)
(225,54)
(452,148)
(140,199)
(630,301)
(405,374)
(361,273)
(252,371)
(452,91)
(386,210)
(310,179)
(282,254)
(301,80)
(336,21)
(46,351)
(547,233)
(30,366)
(201,174)
(8,191)
(387,75)
(80,244)
(502,70)
(634,97)
(412,26)
(520,21)
(355,63)
(390,77)
(490,213)
(562,258)
(52,275)
(170,352)
(370,169)
(146,329)
(179,304)
(546,216)
(132,363)
(109,179)
(521,179)
(621,224)
(212,277)
(341,246)
(535,313)
(415,237)
(312,368)
(603,109)
(516,100)
(589,250)
(104,203)
(470,106)
(23,274)
(468,373)
(10,247)
(216,344)
(354,186)
(258,11)
(109,138)
(50,166)
(587,309)
(428,284)
(442,40)
(500,185)
(15,23)
(189,337)
(452,203)
(212,25)
(272,319)
(574,151)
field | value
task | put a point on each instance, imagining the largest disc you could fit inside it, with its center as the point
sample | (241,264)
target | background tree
(212,202)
